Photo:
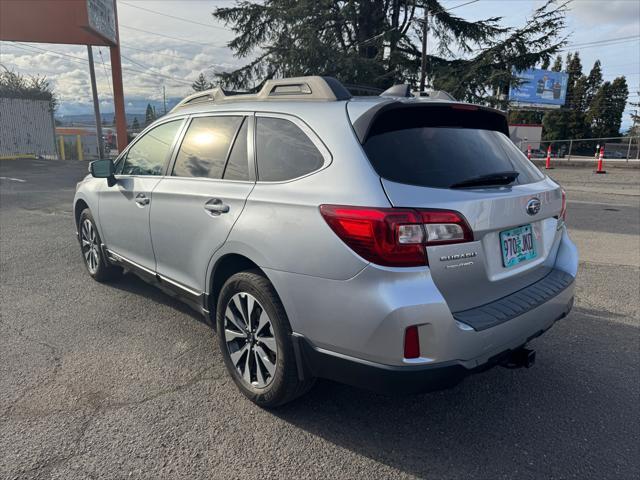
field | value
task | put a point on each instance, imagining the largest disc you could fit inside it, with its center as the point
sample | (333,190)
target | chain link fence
(615,148)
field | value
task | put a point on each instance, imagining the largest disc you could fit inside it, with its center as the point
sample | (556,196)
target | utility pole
(96,105)
(164,99)
(423,63)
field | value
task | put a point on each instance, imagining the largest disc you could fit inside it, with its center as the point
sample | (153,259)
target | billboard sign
(102,18)
(73,22)
(540,88)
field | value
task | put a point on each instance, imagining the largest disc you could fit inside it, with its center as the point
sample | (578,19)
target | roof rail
(298,88)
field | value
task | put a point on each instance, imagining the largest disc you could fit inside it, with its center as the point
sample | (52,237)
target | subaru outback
(393,243)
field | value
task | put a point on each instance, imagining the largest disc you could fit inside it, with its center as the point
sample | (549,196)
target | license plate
(517,245)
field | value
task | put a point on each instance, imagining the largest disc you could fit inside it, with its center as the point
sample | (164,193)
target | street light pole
(164,99)
(96,105)
(425,32)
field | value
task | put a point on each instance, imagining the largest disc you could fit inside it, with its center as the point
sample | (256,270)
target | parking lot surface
(121,381)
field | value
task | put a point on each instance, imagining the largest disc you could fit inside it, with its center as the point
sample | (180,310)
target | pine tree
(575,99)
(545,63)
(557,64)
(377,43)
(201,84)
(594,82)
(617,104)
(606,108)
(149,115)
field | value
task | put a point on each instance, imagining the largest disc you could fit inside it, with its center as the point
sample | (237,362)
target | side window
(149,154)
(205,147)
(237,166)
(284,151)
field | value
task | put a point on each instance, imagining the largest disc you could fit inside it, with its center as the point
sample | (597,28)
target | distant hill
(73,114)
(89,119)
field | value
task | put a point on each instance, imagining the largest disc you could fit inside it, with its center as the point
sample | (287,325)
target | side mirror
(103,169)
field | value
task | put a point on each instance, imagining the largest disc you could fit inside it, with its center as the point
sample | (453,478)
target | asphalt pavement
(121,381)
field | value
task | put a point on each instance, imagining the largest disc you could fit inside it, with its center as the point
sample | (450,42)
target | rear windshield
(421,152)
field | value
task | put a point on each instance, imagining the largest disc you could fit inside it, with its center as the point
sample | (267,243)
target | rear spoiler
(471,116)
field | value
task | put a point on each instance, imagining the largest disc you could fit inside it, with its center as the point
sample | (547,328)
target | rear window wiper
(498,178)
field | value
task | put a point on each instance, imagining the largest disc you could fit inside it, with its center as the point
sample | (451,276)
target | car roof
(311,97)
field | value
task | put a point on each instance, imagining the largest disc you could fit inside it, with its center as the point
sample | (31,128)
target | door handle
(141,199)
(216,207)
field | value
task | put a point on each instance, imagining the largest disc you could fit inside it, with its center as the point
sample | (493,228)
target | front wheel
(90,246)
(255,340)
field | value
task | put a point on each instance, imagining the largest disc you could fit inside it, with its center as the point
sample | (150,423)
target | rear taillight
(395,237)
(445,227)
(563,209)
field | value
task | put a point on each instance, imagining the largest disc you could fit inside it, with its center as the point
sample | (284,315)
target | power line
(601,43)
(461,5)
(153,68)
(171,38)
(156,53)
(54,72)
(106,74)
(174,16)
(628,37)
(83,60)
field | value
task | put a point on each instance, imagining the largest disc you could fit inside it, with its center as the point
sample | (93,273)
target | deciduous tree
(14,85)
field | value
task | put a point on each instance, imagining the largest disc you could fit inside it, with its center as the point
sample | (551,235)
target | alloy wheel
(89,245)
(250,340)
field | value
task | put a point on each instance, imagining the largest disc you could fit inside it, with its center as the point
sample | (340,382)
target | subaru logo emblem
(533,206)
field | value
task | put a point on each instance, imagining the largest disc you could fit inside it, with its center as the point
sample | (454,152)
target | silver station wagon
(392,243)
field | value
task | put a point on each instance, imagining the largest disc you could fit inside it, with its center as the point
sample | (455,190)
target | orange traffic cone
(547,164)
(529,152)
(600,158)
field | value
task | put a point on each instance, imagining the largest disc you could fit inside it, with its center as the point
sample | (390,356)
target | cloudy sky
(188,41)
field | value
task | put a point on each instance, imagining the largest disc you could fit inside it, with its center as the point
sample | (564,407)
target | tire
(90,246)
(264,349)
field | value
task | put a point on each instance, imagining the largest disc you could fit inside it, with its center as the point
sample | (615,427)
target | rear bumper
(392,379)
(365,317)
(320,363)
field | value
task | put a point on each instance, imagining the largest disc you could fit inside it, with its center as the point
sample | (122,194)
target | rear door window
(237,166)
(284,151)
(425,154)
(205,147)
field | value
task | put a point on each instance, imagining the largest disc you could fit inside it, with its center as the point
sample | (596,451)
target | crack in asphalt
(97,407)
(100,407)
(57,365)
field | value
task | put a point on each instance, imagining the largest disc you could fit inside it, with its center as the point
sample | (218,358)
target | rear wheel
(90,246)
(255,340)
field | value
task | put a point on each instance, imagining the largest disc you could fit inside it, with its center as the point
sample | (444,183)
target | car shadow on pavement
(131,283)
(561,418)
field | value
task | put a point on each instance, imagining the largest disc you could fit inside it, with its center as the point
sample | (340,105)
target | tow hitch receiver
(522,357)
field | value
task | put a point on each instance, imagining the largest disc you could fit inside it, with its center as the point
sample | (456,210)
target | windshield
(440,157)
